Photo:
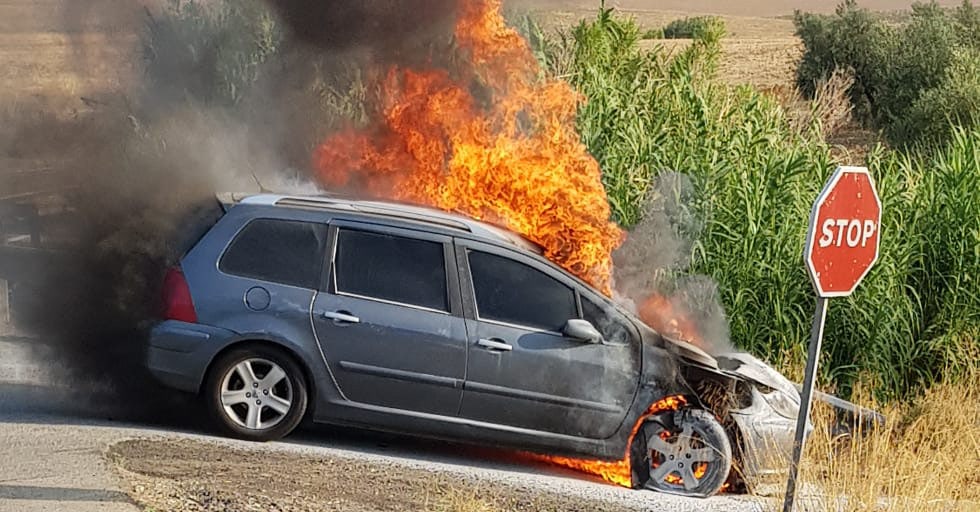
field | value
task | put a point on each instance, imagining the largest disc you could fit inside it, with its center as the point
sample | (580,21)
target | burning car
(413,320)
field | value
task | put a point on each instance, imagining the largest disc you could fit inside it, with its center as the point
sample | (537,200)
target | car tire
(256,393)
(684,443)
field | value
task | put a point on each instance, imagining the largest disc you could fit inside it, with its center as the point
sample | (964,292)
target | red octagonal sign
(842,242)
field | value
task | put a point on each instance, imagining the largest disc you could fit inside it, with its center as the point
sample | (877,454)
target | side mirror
(582,330)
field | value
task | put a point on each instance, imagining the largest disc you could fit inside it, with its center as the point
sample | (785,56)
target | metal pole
(4,303)
(812,358)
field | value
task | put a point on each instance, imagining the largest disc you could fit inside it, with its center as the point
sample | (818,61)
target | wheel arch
(719,394)
(286,349)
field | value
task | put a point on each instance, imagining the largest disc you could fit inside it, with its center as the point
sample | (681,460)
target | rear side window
(278,251)
(392,268)
(508,291)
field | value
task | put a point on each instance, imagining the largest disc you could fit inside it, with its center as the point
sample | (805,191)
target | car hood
(752,368)
(738,364)
(690,352)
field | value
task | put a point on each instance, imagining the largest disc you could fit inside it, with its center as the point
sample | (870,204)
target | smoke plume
(651,269)
(139,163)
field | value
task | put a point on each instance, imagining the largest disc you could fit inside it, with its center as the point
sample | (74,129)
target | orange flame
(514,158)
(665,317)
(699,469)
(617,472)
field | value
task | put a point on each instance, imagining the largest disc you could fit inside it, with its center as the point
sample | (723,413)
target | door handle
(341,317)
(491,344)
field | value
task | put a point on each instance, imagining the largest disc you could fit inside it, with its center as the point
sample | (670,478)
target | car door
(521,370)
(388,318)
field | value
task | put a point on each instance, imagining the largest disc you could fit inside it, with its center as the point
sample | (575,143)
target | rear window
(511,292)
(392,268)
(278,251)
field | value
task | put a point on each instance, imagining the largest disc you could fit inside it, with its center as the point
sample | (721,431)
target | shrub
(697,27)
(654,33)
(208,52)
(894,65)
(955,102)
(968,23)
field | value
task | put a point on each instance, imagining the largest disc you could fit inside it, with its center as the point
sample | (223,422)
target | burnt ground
(191,475)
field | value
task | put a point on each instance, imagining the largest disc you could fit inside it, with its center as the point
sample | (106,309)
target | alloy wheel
(256,394)
(688,453)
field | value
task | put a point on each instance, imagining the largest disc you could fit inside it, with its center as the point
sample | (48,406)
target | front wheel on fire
(682,452)
(256,393)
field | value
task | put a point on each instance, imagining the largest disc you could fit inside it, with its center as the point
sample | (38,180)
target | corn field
(916,317)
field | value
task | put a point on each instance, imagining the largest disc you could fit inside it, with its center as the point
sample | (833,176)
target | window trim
(448,267)
(489,249)
(384,301)
(321,250)
(535,330)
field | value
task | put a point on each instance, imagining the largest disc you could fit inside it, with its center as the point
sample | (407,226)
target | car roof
(399,211)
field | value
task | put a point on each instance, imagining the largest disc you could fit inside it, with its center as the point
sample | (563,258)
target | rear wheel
(256,393)
(682,452)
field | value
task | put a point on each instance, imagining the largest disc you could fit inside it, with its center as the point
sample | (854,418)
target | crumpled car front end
(766,418)
(759,407)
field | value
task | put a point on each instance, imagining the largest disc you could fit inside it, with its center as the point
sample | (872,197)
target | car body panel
(178,353)
(396,356)
(545,380)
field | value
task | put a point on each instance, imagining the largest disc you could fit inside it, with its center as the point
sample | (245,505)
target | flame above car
(512,156)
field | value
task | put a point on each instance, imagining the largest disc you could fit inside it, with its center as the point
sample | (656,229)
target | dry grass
(757,50)
(732,7)
(926,458)
(52,64)
(828,112)
(457,500)
(764,62)
(737,27)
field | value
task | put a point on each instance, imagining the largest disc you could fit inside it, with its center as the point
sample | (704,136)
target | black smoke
(138,165)
(390,29)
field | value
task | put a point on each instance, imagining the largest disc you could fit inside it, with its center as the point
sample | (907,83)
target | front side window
(392,268)
(612,325)
(278,251)
(512,292)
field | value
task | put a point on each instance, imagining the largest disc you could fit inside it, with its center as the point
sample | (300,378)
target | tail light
(177,301)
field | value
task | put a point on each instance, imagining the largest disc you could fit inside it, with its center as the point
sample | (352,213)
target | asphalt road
(53,437)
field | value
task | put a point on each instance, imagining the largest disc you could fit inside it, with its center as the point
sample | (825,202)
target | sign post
(841,247)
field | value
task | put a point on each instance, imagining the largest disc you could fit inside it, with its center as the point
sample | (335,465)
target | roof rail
(407,213)
(401,211)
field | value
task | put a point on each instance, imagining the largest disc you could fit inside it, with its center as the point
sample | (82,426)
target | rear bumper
(179,353)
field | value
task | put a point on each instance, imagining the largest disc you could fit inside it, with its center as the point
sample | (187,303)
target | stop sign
(842,241)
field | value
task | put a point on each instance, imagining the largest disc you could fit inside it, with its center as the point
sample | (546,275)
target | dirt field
(194,476)
(54,48)
(65,49)
(760,49)
(763,8)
